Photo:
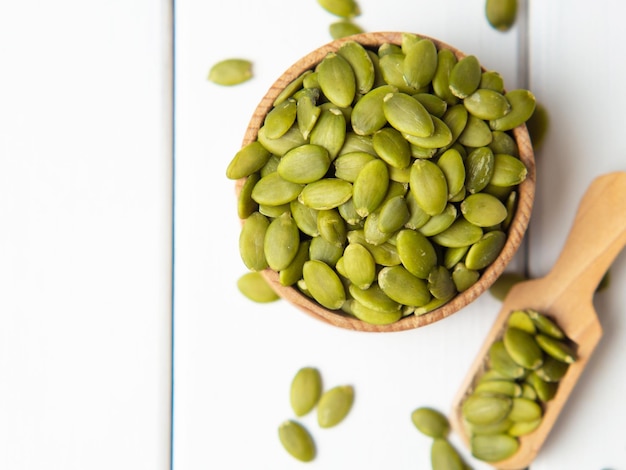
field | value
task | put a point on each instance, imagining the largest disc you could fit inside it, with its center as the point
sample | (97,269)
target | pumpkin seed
(483,210)
(334,405)
(392,148)
(446,60)
(296,440)
(464,278)
(280,119)
(487,104)
(370,187)
(322,250)
(281,242)
(359,265)
(250,159)
(522,107)
(373,316)
(293,273)
(407,115)
(465,77)
(326,193)
(337,80)
(368,116)
(331,226)
(252,241)
(460,234)
(420,63)
(306,389)
(231,72)
(440,283)
(557,349)
(524,409)
(507,171)
(445,457)
(245,204)
(324,284)
(501,361)
(430,422)
(521,428)
(486,409)
(493,448)
(476,133)
(304,164)
(429,186)
(341,8)
(394,213)
(485,251)
(330,131)
(520,320)
(501,14)
(403,287)
(491,80)
(254,286)
(503,284)
(416,253)
(342,29)
(358,58)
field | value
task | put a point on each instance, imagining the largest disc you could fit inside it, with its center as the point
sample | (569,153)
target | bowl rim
(515,232)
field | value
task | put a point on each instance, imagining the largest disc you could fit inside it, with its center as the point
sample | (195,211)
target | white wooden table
(87,188)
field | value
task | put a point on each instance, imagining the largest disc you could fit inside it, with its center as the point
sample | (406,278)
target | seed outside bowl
(515,233)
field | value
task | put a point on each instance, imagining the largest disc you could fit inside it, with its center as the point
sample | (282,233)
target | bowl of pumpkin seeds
(385,181)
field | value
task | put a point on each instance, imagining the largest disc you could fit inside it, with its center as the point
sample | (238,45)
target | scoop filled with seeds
(542,339)
(385,181)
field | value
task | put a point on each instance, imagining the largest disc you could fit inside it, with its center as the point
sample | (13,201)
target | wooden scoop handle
(597,236)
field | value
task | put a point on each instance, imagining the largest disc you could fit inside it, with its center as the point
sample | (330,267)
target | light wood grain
(516,231)
(596,238)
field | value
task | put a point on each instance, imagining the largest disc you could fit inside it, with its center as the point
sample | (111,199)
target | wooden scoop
(566,293)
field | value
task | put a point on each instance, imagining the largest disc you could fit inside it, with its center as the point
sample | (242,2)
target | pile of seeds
(523,374)
(383,182)
(306,393)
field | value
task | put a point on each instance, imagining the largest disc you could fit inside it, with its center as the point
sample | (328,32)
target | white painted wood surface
(231,381)
(85,243)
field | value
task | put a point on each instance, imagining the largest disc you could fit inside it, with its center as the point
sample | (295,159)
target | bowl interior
(516,230)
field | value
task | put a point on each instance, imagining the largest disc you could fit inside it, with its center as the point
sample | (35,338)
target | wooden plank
(231,381)
(577,73)
(85,248)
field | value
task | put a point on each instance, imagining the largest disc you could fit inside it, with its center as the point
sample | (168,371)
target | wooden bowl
(516,229)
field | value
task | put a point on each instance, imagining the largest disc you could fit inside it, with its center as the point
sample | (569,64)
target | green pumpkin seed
(502,142)
(252,240)
(324,284)
(273,190)
(304,164)
(273,211)
(440,283)
(446,60)
(271,166)
(507,171)
(434,304)
(464,278)
(499,427)
(407,115)
(492,80)
(556,348)
(476,133)
(523,348)
(429,186)
(326,193)
(453,255)
(545,325)
(483,210)
(231,72)
(280,119)
(487,104)
(545,390)
(374,298)
(368,116)
(459,235)
(245,204)
(334,405)
(307,114)
(453,168)
(296,440)
(523,104)
(305,217)
(552,370)
(433,104)
(403,287)
(416,253)
(493,448)
(321,249)
(342,29)
(391,66)
(349,214)
(394,213)
(293,273)
(501,14)
(501,361)
(291,89)
(358,58)
(441,136)
(417,216)
(341,8)
(385,254)
(348,165)
(330,131)
(521,428)
(524,409)
(305,391)
(430,422)
(445,457)
(331,226)
(420,63)
(337,80)
(479,168)
(282,239)
(538,125)
(392,148)
(254,286)
(289,140)
(529,392)
(439,223)
(465,77)
(485,251)
(520,320)
(250,159)
(486,409)
(357,143)
(359,265)
(499,387)
(370,187)
(374,317)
